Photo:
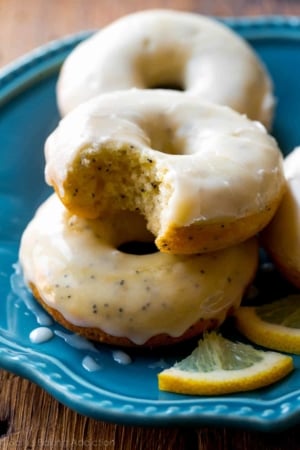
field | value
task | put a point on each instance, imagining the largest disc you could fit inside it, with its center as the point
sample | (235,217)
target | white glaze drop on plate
(40,335)
(160,364)
(89,364)
(121,357)
(76,341)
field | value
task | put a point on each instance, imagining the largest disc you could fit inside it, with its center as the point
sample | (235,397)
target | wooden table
(29,417)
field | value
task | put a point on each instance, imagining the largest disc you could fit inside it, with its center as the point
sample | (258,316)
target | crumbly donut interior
(120,177)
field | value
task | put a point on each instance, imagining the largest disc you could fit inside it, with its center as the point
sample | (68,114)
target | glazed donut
(204,176)
(281,238)
(168,48)
(76,270)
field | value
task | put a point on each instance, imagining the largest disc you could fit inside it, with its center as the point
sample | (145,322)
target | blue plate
(94,380)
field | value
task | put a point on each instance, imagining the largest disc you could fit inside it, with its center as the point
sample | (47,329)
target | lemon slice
(275,325)
(220,366)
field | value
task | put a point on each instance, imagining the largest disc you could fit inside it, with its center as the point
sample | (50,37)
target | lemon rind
(273,367)
(272,336)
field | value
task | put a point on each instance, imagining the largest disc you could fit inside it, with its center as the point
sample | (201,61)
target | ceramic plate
(95,380)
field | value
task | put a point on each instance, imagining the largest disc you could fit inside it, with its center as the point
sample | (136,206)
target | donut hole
(163,135)
(161,68)
(138,248)
(168,86)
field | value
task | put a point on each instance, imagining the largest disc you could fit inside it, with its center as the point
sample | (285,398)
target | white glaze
(77,270)
(224,166)
(89,364)
(121,357)
(75,341)
(160,364)
(40,335)
(160,47)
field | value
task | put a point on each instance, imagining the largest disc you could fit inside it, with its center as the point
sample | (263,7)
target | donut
(204,176)
(165,48)
(79,273)
(281,238)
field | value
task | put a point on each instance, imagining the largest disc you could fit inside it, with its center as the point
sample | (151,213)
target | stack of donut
(281,238)
(192,170)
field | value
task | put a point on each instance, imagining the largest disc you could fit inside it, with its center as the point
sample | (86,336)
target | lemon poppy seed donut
(281,238)
(79,274)
(204,176)
(168,48)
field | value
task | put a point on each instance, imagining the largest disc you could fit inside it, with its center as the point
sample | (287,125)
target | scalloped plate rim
(227,411)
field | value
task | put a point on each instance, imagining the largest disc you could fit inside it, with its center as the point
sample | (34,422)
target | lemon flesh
(220,366)
(275,325)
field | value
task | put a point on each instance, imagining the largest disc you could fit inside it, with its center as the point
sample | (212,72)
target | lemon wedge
(274,325)
(220,366)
